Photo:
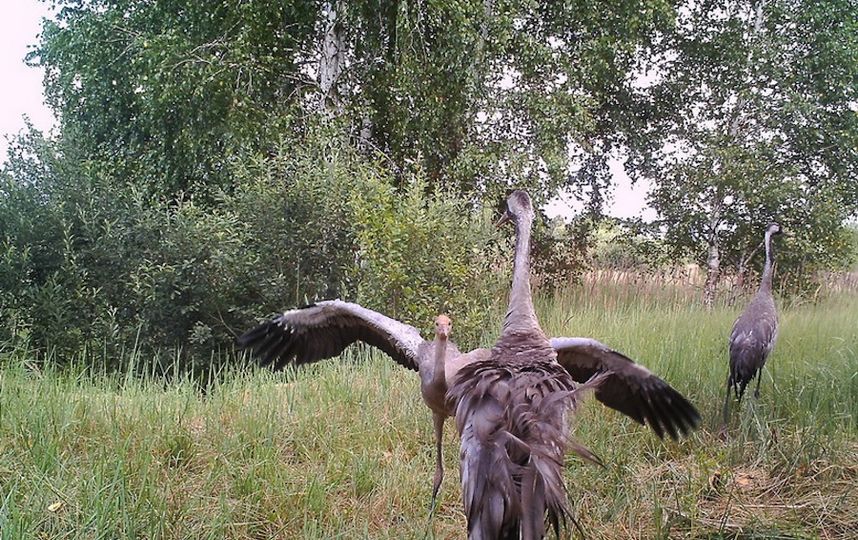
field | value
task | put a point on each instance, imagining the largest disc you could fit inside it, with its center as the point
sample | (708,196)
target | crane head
(443,326)
(518,206)
(774,228)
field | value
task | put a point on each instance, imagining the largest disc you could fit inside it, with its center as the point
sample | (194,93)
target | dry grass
(343,449)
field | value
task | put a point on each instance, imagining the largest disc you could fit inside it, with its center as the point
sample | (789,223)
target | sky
(626,200)
(21,91)
(21,95)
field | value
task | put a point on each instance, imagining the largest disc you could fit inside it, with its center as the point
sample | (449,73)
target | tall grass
(343,449)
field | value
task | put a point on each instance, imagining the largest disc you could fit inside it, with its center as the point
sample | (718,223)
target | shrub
(92,262)
(422,253)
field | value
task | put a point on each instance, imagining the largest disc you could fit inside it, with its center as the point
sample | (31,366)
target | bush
(421,255)
(91,262)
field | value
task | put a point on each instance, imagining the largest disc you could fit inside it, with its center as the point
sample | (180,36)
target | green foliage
(749,118)
(558,91)
(559,251)
(89,262)
(628,245)
(852,236)
(419,256)
(168,92)
(198,184)
(171,92)
(736,205)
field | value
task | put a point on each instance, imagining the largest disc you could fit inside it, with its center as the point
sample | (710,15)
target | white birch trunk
(332,60)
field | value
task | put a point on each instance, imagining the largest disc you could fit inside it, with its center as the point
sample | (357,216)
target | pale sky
(21,91)
(626,201)
(21,94)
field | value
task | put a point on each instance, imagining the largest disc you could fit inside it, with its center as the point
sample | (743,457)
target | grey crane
(511,409)
(324,329)
(754,332)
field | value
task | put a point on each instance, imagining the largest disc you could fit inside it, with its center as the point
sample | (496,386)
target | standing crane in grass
(324,330)
(754,332)
(511,409)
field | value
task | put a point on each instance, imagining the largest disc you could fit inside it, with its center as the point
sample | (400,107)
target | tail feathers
(577,395)
(534,501)
(526,418)
(514,437)
(542,487)
(593,383)
(745,364)
(489,490)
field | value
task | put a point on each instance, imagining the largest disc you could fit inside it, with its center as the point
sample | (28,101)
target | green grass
(344,449)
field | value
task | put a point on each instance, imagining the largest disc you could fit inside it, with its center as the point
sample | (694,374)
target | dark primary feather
(629,388)
(325,329)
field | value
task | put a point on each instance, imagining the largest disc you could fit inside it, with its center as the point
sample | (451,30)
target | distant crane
(754,332)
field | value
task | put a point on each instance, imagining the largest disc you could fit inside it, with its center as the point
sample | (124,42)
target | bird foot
(436,487)
(432,507)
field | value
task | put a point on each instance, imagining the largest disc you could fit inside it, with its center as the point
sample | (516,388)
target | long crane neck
(439,377)
(521,315)
(766,281)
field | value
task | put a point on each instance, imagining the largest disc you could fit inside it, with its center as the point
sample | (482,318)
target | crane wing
(324,329)
(755,332)
(630,388)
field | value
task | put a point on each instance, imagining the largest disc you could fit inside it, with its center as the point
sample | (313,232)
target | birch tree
(750,116)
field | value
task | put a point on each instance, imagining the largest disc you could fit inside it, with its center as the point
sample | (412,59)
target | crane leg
(438,421)
(726,410)
(759,378)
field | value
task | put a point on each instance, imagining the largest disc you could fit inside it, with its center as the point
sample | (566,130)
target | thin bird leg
(438,420)
(759,378)
(727,404)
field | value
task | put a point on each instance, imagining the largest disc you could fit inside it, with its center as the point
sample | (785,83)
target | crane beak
(443,331)
(503,219)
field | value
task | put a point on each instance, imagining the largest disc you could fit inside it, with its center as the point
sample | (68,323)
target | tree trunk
(713,259)
(713,270)
(333,58)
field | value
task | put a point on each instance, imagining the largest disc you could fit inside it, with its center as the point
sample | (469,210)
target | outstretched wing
(325,329)
(630,388)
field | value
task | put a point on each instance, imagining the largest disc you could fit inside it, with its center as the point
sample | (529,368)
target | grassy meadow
(343,449)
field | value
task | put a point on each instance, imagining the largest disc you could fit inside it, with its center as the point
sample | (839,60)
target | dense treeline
(218,161)
(99,263)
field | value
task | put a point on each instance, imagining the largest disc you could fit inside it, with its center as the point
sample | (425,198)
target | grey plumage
(629,388)
(511,410)
(511,416)
(324,330)
(754,332)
